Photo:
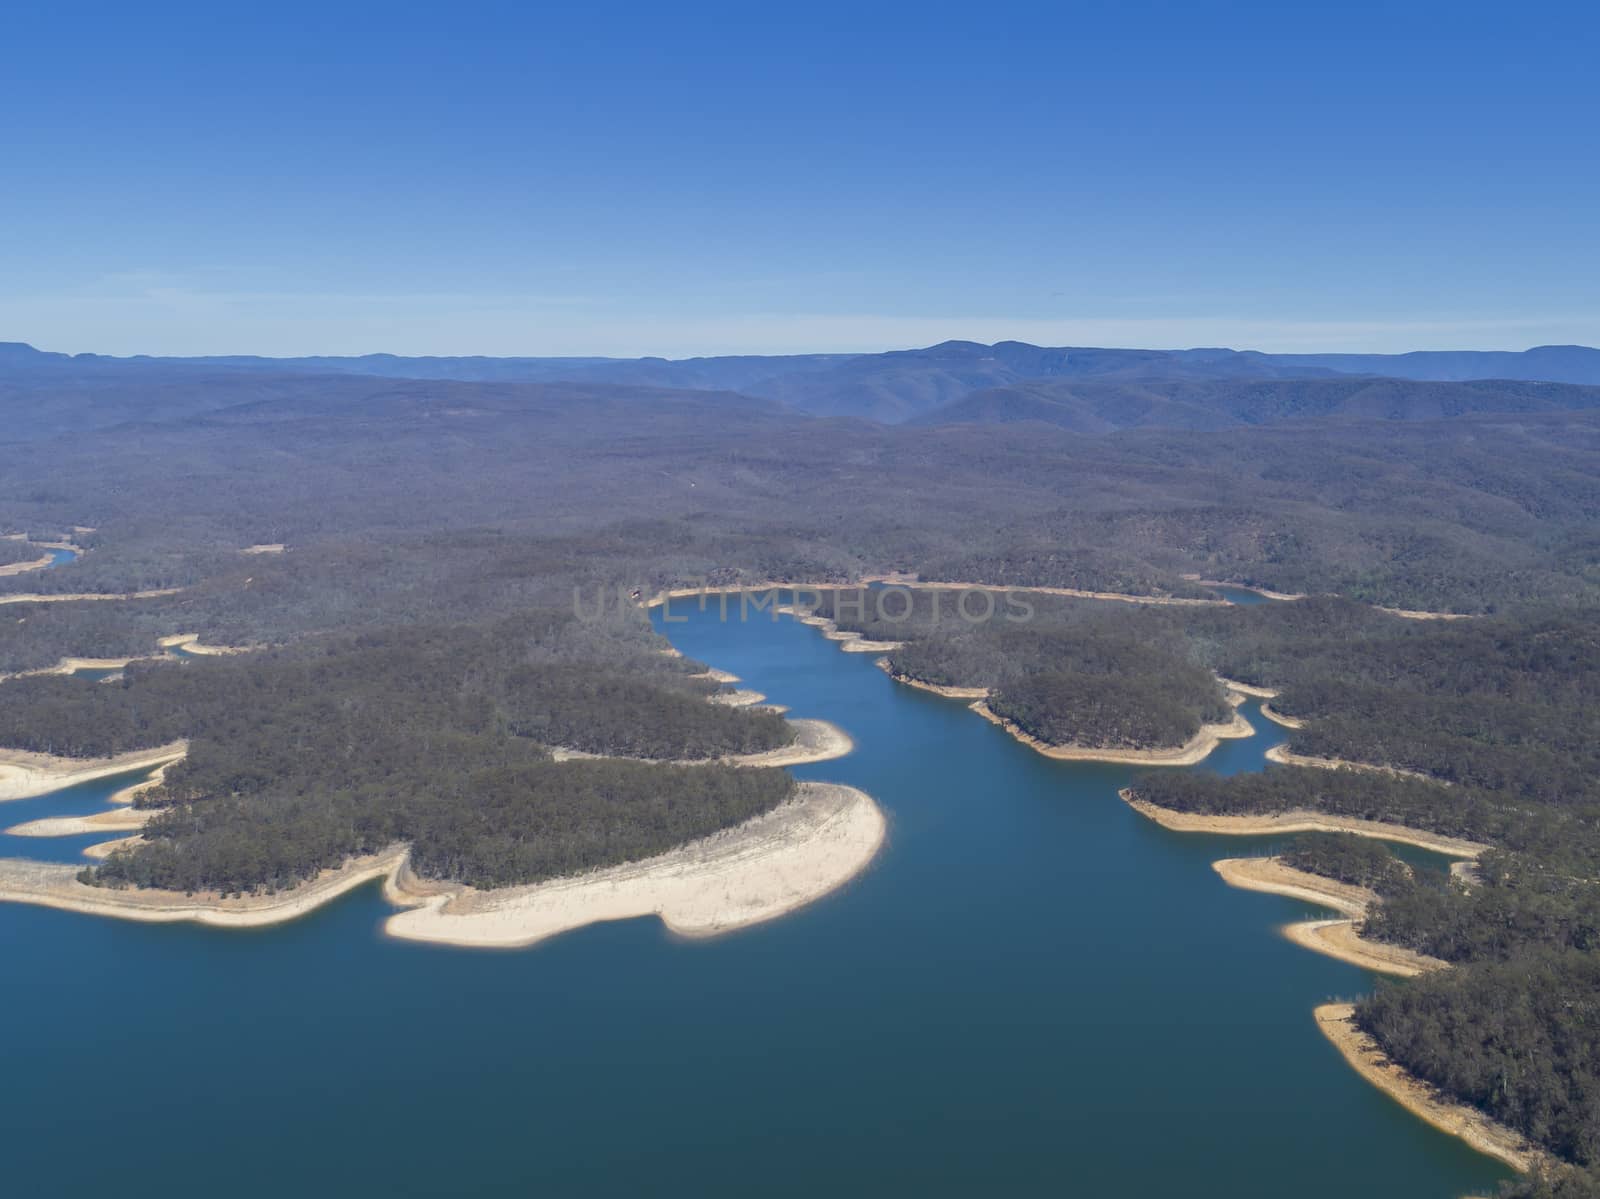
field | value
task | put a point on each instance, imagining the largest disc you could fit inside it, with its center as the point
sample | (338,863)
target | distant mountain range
(1087,389)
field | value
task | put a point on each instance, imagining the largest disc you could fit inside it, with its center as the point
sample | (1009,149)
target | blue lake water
(1032,989)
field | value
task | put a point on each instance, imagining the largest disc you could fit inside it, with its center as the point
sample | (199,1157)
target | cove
(1031,988)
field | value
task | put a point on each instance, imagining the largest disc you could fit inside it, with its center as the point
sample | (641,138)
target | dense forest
(300,756)
(1473,514)
(480,811)
(417,648)
(14,552)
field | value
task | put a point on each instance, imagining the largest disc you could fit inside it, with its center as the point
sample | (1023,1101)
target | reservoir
(1031,989)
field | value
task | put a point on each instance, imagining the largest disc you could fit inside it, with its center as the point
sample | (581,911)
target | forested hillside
(898,384)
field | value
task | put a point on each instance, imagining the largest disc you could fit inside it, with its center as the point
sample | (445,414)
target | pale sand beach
(1196,749)
(911,582)
(25,775)
(189,643)
(1288,722)
(117,820)
(20,568)
(719,676)
(1417,614)
(1301,822)
(34,598)
(948,692)
(1333,938)
(849,642)
(1283,596)
(1066,592)
(762,869)
(1284,756)
(815,741)
(1248,689)
(102,850)
(56,886)
(757,871)
(1417,1097)
(73,665)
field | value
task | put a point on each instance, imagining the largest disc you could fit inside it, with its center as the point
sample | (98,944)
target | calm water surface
(1032,989)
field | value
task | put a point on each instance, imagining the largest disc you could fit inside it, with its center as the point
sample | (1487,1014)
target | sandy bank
(762,869)
(1284,596)
(1342,939)
(56,886)
(1288,722)
(884,665)
(815,741)
(34,598)
(73,665)
(1417,614)
(1334,938)
(1190,752)
(117,820)
(912,582)
(1248,689)
(21,568)
(1284,756)
(101,850)
(1420,1099)
(1301,822)
(849,642)
(25,775)
(1066,592)
(719,676)
(189,643)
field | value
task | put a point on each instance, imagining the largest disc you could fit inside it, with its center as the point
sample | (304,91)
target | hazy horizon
(652,182)
(808,351)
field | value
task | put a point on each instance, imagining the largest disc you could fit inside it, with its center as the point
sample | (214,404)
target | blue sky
(679,178)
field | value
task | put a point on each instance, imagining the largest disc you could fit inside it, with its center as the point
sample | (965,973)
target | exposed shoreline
(913,583)
(1264,593)
(189,643)
(1301,821)
(948,692)
(35,598)
(759,870)
(113,820)
(1290,596)
(1339,939)
(1191,752)
(1285,756)
(815,741)
(1288,722)
(22,568)
(27,775)
(1336,1022)
(1248,689)
(849,642)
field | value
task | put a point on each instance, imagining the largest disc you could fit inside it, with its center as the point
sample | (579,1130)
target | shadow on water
(1031,989)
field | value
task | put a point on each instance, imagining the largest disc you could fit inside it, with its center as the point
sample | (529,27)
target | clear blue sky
(680,178)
